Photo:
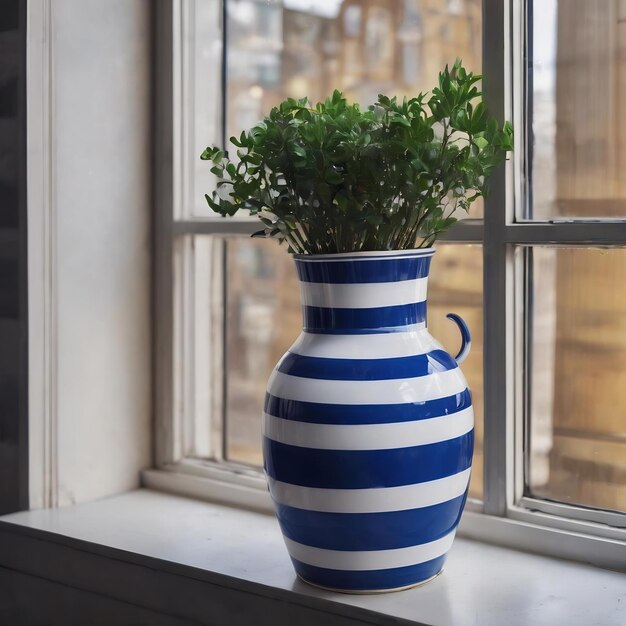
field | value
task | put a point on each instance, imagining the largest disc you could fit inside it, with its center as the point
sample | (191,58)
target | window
(535,272)
(575,451)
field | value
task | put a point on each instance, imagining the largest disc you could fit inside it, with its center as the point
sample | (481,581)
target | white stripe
(369,559)
(363,295)
(379,500)
(368,436)
(367,255)
(395,391)
(381,346)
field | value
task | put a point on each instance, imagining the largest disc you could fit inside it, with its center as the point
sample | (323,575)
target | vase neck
(364,294)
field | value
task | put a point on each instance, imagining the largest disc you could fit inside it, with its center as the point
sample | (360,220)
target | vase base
(365,592)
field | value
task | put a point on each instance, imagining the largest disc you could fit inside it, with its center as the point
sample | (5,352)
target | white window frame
(506,515)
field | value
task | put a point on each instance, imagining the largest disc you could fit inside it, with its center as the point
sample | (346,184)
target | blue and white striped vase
(368,427)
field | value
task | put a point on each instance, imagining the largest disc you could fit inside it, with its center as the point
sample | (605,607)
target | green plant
(335,178)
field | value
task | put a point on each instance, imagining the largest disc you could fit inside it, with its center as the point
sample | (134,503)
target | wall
(89,186)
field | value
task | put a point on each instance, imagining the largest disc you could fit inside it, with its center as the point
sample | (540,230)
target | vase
(368,428)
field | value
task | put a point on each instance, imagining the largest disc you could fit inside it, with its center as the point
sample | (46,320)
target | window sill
(211,564)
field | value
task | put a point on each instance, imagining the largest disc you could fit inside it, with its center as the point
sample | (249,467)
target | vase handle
(466,337)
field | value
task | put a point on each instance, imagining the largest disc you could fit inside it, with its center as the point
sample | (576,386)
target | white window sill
(213,564)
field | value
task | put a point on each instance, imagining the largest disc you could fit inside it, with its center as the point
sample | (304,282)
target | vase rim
(368,254)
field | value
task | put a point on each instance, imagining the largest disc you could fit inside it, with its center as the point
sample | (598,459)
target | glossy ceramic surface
(368,427)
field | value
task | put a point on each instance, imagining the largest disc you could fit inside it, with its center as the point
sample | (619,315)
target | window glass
(263,319)
(577,430)
(300,48)
(577,82)
(456,286)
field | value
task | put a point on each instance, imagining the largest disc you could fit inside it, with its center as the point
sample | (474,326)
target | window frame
(505,514)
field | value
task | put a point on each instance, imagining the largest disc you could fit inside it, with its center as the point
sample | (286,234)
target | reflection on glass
(299,48)
(264,318)
(578,81)
(577,428)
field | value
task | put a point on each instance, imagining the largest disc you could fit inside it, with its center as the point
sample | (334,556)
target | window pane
(578,88)
(263,319)
(456,286)
(577,431)
(299,48)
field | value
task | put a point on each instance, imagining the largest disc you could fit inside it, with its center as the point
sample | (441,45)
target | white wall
(89,247)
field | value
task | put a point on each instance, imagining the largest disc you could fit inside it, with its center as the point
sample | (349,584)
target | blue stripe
(355,321)
(367,469)
(366,369)
(370,531)
(378,270)
(372,579)
(320,413)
